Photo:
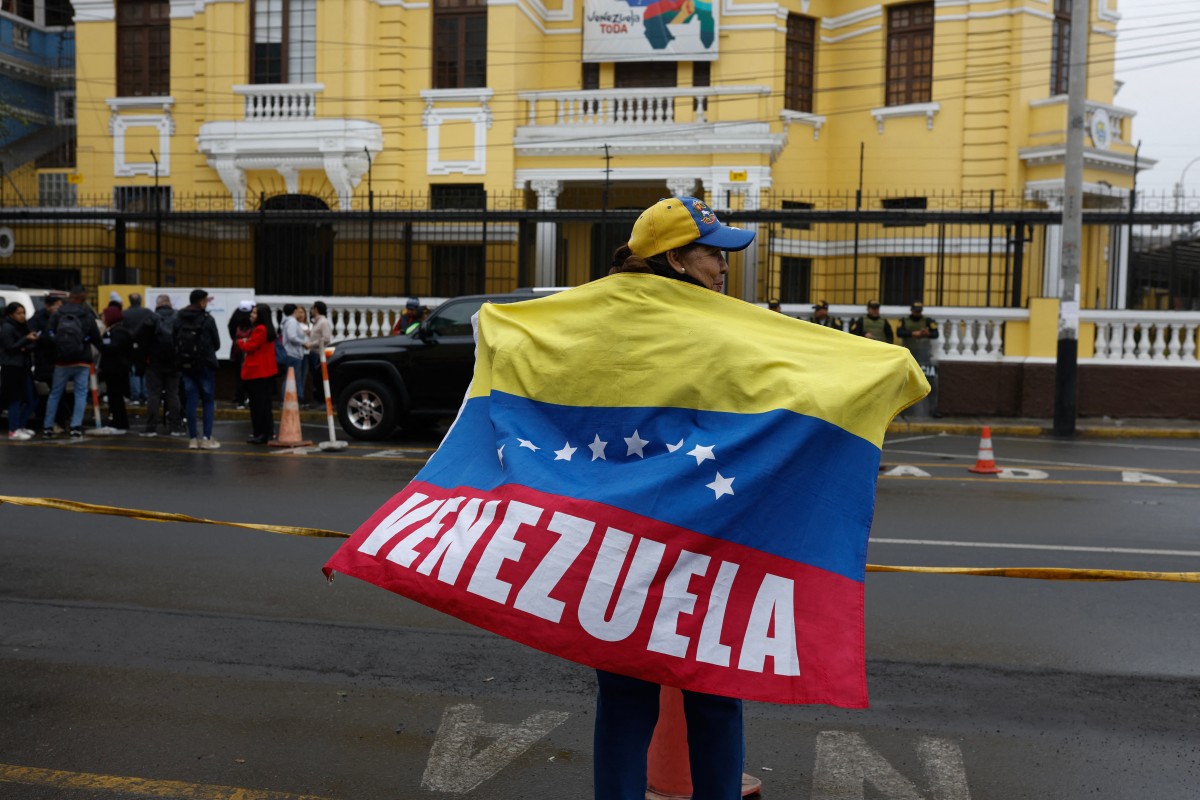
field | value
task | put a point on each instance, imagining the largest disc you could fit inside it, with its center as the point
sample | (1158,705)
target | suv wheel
(368,409)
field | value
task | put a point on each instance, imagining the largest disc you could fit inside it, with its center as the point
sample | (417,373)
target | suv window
(455,319)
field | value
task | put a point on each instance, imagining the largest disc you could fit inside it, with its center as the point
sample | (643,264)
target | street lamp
(1179,189)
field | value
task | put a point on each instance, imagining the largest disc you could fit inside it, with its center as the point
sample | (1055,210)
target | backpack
(189,352)
(68,338)
(162,346)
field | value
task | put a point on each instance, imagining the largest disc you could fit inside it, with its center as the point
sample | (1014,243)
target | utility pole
(1066,373)
(605,255)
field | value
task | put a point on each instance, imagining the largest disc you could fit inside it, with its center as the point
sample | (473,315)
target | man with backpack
(196,346)
(156,339)
(72,331)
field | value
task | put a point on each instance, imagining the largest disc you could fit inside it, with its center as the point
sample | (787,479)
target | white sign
(223,303)
(649,30)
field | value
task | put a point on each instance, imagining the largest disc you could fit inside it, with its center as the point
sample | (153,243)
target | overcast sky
(1158,58)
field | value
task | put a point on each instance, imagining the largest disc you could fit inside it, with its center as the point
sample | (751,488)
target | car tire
(368,409)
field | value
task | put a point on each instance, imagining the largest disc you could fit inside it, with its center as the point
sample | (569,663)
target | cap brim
(727,238)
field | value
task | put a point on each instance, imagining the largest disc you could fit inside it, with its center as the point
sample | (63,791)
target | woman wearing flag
(679,238)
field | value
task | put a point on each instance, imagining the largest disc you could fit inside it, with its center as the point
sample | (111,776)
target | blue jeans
(626,713)
(200,385)
(137,386)
(299,365)
(78,374)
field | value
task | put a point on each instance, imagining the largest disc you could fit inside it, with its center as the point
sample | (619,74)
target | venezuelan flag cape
(654,479)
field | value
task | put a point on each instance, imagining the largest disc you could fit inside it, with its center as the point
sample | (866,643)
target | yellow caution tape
(1036,573)
(163,516)
(1048,573)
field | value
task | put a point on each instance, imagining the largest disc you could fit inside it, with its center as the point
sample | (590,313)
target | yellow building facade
(582,103)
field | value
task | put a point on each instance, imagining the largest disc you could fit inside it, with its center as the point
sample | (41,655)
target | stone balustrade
(1150,338)
(354,317)
(280,101)
(628,107)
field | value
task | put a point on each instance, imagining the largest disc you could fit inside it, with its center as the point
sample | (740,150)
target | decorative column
(233,177)
(546,257)
(1052,264)
(750,202)
(682,187)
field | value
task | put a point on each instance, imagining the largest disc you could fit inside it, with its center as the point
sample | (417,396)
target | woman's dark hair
(264,318)
(625,261)
(11,308)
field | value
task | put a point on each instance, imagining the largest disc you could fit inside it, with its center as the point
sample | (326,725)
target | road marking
(846,765)
(139,787)
(1130,476)
(1061,547)
(965,479)
(1067,467)
(399,454)
(906,469)
(1021,474)
(454,765)
(911,439)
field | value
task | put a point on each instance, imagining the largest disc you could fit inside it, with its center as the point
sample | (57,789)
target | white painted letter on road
(1022,474)
(905,469)
(454,764)
(1129,476)
(846,764)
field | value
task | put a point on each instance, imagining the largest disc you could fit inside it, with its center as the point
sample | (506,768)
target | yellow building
(575,104)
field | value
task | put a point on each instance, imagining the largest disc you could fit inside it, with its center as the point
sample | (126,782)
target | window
(64,108)
(1060,55)
(143,48)
(910,54)
(902,278)
(457,269)
(55,190)
(457,195)
(798,82)
(701,73)
(459,44)
(285,41)
(59,13)
(795,279)
(142,198)
(645,74)
(797,226)
(904,204)
(591,76)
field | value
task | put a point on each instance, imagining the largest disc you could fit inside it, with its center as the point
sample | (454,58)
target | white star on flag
(566,452)
(721,486)
(500,455)
(597,448)
(635,444)
(702,453)
(671,448)
(528,445)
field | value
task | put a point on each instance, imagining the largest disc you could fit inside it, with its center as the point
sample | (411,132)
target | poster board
(650,30)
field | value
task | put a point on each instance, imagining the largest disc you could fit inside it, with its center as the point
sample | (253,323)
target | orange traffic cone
(669,774)
(289,423)
(985,462)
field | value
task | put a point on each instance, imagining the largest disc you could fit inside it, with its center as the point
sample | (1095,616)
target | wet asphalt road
(141,659)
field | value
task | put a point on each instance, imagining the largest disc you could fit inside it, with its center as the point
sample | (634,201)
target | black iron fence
(976,250)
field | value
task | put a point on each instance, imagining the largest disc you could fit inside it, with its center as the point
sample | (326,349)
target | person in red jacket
(258,372)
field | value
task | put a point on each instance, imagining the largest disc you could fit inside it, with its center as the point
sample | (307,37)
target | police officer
(917,332)
(821,316)
(873,326)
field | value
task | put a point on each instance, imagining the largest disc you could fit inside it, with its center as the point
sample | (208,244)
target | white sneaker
(210,444)
(18,436)
(193,444)
(28,432)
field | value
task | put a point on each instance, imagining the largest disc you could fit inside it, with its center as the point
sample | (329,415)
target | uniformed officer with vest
(821,316)
(873,326)
(917,333)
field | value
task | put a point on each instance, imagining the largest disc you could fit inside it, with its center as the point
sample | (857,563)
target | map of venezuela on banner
(658,480)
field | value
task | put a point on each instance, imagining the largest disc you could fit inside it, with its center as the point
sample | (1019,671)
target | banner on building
(627,490)
(650,30)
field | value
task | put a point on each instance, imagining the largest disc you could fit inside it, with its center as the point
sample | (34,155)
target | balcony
(703,119)
(280,130)
(1107,146)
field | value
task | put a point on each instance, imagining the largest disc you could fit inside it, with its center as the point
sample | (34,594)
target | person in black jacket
(134,317)
(16,375)
(74,331)
(116,353)
(156,344)
(239,328)
(196,344)
(43,356)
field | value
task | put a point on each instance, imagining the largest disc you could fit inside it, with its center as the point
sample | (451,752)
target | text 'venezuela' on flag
(655,479)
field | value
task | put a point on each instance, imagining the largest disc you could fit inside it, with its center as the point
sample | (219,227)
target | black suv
(414,379)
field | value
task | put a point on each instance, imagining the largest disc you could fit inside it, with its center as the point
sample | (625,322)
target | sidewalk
(1085,427)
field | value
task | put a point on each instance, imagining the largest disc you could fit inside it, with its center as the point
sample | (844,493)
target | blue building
(37,102)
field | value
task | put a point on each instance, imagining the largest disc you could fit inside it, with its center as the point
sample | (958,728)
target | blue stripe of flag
(803,489)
